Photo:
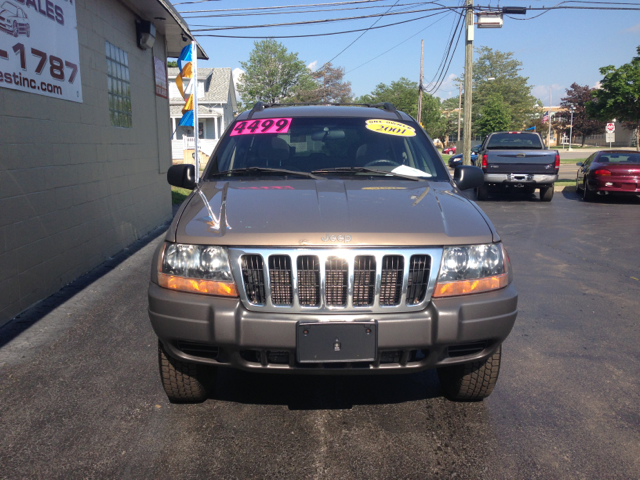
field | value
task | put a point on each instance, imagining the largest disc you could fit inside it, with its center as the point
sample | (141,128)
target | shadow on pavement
(32,315)
(611,199)
(324,392)
(512,196)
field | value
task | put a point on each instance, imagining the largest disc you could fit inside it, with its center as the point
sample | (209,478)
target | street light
(571,128)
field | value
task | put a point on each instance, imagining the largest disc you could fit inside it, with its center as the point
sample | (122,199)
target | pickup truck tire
(482,192)
(184,382)
(546,193)
(471,382)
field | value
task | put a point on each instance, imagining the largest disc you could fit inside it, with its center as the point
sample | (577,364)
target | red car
(449,150)
(609,171)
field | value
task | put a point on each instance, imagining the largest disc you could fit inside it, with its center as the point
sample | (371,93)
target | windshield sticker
(389,127)
(266,125)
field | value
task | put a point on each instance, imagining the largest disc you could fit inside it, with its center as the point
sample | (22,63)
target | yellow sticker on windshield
(389,127)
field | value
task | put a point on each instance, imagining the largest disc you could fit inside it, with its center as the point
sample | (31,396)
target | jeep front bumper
(220,331)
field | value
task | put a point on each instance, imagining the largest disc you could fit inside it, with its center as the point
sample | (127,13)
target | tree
(557,127)
(619,96)
(450,103)
(272,74)
(403,94)
(495,116)
(172,64)
(496,72)
(578,96)
(328,87)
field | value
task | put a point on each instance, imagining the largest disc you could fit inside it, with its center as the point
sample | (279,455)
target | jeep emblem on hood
(336,238)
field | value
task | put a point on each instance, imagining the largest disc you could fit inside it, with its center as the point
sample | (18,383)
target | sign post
(610,131)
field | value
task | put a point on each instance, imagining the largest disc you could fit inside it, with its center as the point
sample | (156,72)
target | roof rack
(387,106)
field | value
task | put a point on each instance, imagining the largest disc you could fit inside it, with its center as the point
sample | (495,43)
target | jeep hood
(303,212)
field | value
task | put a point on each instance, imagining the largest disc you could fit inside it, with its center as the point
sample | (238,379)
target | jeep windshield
(515,141)
(327,147)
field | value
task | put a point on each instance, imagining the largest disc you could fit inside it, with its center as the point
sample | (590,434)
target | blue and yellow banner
(185,83)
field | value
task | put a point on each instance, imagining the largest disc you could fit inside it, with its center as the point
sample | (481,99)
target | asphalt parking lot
(80,394)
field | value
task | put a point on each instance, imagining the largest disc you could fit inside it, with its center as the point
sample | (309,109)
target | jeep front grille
(364,280)
(280,274)
(253,276)
(308,280)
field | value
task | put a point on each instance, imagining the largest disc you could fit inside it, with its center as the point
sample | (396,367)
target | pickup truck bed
(518,160)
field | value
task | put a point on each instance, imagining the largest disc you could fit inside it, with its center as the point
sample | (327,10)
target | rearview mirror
(467,176)
(579,164)
(328,135)
(182,176)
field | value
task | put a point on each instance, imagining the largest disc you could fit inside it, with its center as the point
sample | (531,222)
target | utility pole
(420,86)
(549,120)
(468,85)
(459,110)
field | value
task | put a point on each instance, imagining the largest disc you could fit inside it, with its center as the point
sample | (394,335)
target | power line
(317,34)
(188,13)
(352,2)
(404,41)
(361,35)
(326,20)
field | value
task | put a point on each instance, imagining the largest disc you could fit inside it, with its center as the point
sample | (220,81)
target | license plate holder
(335,341)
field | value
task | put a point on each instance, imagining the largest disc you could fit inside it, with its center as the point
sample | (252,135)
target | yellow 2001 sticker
(389,127)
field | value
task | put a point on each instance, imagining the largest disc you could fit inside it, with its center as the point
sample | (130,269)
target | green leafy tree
(498,73)
(403,94)
(172,64)
(619,96)
(450,103)
(272,74)
(495,116)
(328,87)
(578,96)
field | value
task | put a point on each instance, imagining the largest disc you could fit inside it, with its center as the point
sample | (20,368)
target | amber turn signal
(464,287)
(197,285)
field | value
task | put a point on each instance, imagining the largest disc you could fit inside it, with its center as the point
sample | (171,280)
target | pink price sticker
(266,125)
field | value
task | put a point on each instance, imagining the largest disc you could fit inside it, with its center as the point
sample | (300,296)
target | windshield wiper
(369,170)
(283,171)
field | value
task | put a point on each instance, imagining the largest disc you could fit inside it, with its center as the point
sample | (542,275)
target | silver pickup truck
(518,160)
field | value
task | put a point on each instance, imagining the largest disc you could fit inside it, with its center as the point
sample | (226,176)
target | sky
(557,49)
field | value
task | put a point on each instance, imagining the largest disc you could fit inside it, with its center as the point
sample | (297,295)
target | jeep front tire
(473,381)
(184,382)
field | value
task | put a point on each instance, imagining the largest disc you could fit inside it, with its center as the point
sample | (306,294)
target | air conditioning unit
(489,20)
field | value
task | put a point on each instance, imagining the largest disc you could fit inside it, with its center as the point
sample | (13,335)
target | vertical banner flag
(185,83)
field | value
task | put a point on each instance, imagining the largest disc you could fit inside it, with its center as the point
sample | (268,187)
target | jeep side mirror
(579,164)
(467,176)
(182,176)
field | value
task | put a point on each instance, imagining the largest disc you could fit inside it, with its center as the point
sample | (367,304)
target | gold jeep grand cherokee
(330,240)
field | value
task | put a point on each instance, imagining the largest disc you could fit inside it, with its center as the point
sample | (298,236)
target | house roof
(218,85)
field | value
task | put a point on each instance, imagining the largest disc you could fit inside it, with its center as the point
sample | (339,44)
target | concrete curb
(565,189)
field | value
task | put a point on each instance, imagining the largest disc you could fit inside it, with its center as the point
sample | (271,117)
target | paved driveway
(80,396)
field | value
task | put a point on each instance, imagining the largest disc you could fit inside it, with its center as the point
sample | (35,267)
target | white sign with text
(39,50)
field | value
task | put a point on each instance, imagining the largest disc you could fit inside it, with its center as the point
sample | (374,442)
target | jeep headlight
(197,269)
(472,269)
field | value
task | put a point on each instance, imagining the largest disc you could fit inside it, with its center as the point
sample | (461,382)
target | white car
(13,20)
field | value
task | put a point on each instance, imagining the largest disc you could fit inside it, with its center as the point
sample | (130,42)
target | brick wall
(73,189)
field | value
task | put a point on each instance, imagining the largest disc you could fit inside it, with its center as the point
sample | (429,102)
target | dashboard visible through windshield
(328,146)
